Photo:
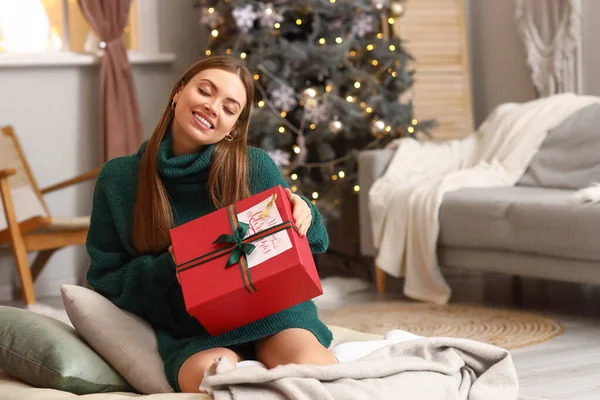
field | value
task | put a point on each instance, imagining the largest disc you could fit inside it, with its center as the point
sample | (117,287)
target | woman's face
(206,110)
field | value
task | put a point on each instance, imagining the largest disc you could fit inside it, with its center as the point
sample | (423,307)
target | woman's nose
(209,109)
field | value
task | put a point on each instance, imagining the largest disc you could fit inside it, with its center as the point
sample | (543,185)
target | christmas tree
(329,77)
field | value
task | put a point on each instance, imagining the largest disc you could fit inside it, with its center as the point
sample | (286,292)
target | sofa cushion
(521,219)
(568,157)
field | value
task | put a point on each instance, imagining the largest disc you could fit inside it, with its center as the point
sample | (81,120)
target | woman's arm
(132,283)
(264,174)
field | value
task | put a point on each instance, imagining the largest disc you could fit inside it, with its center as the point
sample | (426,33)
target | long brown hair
(227,181)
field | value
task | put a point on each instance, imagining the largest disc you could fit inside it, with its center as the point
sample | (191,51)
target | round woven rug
(504,328)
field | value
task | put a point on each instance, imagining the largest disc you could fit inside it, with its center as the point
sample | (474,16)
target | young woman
(196,161)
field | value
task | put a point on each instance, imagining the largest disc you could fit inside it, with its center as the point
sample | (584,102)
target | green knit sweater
(146,284)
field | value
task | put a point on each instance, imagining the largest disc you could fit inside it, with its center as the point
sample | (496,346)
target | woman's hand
(300,212)
(173,255)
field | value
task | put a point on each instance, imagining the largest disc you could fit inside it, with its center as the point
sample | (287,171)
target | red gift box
(228,282)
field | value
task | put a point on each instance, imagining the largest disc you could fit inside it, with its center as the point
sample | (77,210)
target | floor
(566,367)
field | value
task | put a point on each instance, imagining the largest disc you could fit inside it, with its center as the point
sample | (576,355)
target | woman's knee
(192,370)
(293,346)
(316,356)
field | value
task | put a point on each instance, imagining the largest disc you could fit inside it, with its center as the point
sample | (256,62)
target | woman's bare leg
(293,346)
(192,370)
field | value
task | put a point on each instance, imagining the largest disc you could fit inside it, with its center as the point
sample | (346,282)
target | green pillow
(45,352)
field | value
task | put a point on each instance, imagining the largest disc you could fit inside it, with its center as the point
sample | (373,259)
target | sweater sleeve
(264,174)
(133,283)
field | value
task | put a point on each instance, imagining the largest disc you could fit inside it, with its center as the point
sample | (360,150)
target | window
(34,26)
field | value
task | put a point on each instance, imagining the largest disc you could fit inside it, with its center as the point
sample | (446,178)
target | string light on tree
(377,127)
(379,4)
(396,9)
(310,92)
(311,103)
(335,126)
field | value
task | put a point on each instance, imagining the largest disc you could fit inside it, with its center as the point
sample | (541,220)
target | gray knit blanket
(430,368)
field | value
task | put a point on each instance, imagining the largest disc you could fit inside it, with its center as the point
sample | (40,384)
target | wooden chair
(26,224)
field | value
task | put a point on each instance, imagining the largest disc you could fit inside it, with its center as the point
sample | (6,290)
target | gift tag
(269,246)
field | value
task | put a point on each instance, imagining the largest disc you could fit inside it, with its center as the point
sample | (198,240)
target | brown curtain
(121,122)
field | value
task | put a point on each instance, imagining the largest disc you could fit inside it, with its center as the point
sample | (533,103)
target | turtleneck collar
(192,166)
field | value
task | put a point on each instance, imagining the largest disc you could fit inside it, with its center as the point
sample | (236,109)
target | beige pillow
(123,339)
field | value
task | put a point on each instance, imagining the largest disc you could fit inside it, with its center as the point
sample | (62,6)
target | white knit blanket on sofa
(404,203)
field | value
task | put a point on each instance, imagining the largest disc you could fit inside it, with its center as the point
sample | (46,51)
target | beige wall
(55,113)
(498,64)
(591,55)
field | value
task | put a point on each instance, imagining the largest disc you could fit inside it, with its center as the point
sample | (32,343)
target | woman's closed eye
(205,93)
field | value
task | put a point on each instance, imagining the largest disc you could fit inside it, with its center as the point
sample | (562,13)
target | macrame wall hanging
(551,32)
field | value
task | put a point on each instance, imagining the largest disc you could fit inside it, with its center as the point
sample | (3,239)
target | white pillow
(123,339)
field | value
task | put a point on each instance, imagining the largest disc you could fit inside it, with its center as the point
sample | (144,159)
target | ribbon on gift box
(237,247)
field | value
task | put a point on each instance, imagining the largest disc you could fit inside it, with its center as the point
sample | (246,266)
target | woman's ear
(176,96)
